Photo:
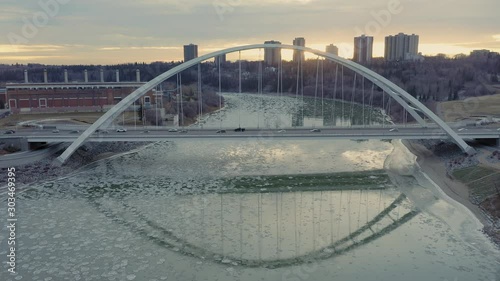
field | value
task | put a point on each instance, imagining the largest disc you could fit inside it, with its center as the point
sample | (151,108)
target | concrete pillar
(26,76)
(138,75)
(66,80)
(86,75)
(45,77)
(117,76)
(102,75)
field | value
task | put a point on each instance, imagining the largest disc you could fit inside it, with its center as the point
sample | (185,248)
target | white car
(173,130)
(393,130)
(121,130)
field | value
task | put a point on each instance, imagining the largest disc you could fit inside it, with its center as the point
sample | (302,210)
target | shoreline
(435,169)
(44,170)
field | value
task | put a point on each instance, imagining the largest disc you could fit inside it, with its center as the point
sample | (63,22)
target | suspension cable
(135,115)
(371,104)
(200,98)
(316,91)
(278,78)
(364,122)
(156,104)
(181,101)
(178,102)
(298,80)
(406,117)
(343,97)
(297,89)
(302,87)
(384,114)
(335,95)
(389,109)
(239,88)
(352,98)
(281,76)
(220,96)
(322,92)
(259,88)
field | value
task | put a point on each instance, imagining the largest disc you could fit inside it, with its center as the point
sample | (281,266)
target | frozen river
(250,210)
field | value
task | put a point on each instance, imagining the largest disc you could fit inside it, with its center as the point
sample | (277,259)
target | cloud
(87,27)
(29,48)
(139,48)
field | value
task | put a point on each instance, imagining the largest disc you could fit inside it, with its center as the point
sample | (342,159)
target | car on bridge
(221,132)
(173,130)
(239,129)
(9,132)
(315,131)
(121,130)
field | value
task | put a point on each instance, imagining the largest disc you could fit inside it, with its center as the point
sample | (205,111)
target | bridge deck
(334,133)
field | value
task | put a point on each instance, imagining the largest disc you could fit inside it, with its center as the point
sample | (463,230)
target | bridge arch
(411,104)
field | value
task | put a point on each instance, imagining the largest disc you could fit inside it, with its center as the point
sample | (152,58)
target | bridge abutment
(18,143)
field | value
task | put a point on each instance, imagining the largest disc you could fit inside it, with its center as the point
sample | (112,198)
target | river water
(257,209)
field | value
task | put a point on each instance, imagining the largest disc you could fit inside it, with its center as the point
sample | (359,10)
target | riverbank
(45,170)
(437,169)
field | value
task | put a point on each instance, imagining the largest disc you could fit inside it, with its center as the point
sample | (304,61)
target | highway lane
(37,135)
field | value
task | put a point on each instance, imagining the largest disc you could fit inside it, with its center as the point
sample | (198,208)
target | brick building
(70,96)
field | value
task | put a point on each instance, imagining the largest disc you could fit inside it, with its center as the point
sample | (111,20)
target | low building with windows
(71,96)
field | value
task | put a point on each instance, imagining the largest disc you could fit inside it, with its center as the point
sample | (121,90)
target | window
(12,103)
(42,102)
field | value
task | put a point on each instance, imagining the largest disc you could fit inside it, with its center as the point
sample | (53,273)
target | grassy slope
(482,181)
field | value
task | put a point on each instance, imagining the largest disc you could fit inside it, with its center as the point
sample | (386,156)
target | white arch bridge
(411,105)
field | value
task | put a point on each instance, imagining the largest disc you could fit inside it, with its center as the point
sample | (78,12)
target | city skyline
(157,30)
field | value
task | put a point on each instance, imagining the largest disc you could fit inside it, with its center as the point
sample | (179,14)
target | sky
(126,31)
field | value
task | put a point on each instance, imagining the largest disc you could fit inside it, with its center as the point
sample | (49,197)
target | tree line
(433,80)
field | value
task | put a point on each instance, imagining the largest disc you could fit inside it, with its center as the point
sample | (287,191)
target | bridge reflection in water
(262,229)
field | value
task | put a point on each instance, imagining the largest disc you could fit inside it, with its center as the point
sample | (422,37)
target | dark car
(220,132)
(239,129)
(9,132)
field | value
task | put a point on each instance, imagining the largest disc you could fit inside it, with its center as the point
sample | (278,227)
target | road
(37,135)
